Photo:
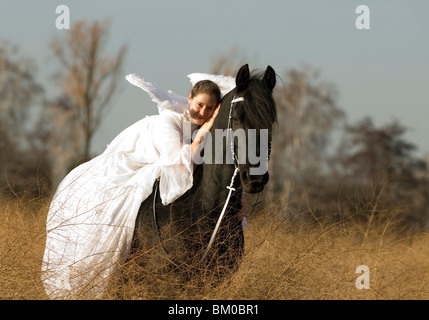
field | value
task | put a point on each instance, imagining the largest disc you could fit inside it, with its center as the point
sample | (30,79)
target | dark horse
(177,235)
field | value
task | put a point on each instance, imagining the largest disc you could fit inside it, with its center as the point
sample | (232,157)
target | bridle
(229,132)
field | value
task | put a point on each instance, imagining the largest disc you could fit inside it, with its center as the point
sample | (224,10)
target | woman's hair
(207,87)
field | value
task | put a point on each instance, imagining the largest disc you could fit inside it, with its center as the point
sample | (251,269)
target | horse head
(251,117)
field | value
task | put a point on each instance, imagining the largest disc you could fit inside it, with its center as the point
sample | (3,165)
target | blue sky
(382,72)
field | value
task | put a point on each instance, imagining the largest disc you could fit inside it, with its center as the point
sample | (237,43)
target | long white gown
(92,216)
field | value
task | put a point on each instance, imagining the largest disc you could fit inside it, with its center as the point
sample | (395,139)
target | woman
(92,216)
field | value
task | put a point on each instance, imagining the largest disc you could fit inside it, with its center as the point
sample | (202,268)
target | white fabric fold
(92,216)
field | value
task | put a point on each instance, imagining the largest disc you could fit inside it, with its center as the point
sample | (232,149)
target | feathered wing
(168,99)
(225,83)
(164,99)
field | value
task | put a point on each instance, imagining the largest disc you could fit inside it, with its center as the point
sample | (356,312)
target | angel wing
(164,99)
(168,99)
(225,83)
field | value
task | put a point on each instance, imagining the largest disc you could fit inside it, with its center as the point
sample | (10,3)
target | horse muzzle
(253,183)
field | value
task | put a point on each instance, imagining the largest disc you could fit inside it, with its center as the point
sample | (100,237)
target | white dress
(92,215)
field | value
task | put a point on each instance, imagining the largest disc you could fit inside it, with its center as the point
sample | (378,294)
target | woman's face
(201,107)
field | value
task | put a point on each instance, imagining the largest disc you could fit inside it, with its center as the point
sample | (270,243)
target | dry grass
(283,260)
(22,240)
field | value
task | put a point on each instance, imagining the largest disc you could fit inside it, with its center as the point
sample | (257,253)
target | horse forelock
(259,104)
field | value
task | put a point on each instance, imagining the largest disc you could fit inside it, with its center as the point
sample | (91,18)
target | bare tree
(90,76)
(380,155)
(307,114)
(24,166)
(64,136)
(18,90)
(379,158)
(228,63)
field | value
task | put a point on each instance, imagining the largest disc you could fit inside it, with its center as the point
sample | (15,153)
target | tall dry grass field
(283,260)
(22,240)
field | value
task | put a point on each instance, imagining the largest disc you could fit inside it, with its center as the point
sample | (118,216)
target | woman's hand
(202,131)
(209,122)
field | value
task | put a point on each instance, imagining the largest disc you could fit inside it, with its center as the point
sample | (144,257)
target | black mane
(259,104)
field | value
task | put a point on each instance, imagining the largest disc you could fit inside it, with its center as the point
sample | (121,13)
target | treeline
(321,168)
(326,169)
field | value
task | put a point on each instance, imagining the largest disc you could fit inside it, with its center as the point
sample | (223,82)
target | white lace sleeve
(175,158)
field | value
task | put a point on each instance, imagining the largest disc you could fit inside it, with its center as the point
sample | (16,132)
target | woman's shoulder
(169,115)
(169,120)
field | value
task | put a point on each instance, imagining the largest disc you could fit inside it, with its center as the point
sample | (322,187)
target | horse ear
(242,79)
(270,77)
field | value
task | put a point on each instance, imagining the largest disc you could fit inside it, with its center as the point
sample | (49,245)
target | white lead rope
(231,189)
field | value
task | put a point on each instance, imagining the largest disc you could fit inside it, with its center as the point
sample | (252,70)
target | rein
(230,187)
